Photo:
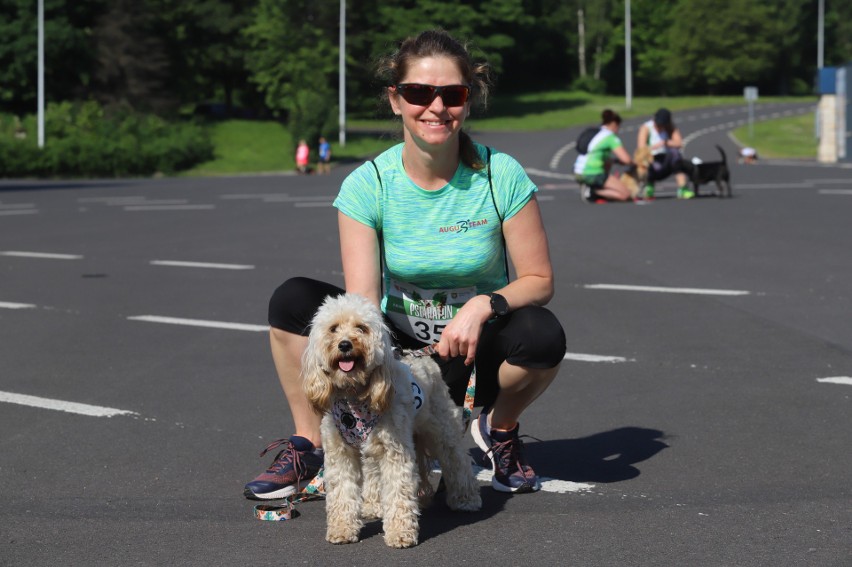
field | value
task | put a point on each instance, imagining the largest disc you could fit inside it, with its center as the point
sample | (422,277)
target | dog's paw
(401,540)
(341,536)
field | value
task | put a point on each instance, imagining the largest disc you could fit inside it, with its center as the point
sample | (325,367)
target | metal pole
(820,34)
(342,74)
(628,66)
(40,73)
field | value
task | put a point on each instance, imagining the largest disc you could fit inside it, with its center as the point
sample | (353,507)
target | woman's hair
(609,116)
(393,68)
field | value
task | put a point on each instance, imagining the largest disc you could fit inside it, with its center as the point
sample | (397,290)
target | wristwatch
(499,305)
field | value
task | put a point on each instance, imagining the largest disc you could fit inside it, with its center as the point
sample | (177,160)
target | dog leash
(470,391)
(315,490)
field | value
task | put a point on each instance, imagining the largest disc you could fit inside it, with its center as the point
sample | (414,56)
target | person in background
(592,169)
(303,154)
(665,141)
(324,153)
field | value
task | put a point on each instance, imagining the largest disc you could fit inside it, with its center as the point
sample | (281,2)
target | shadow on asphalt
(604,457)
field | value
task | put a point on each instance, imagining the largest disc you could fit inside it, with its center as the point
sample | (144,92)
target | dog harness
(356,421)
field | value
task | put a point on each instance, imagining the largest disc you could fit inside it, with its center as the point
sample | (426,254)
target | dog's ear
(381,391)
(315,382)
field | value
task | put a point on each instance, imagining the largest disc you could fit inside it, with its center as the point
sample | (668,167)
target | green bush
(83,140)
(589,85)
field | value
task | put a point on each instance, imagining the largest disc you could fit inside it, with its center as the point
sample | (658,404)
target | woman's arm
(676,141)
(528,248)
(622,155)
(359,250)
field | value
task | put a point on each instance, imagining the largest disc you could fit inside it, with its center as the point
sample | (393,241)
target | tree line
(281,56)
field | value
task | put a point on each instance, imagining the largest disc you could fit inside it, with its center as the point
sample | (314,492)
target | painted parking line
(592,357)
(44,255)
(199,323)
(61,405)
(212,265)
(835,191)
(547,484)
(845,380)
(11,305)
(656,289)
(135,208)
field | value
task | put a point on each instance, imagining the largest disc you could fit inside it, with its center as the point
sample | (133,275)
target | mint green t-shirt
(440,247)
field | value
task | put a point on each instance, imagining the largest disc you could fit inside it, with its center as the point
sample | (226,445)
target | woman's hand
(461,335)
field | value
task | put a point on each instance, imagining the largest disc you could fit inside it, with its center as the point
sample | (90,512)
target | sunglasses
(423,95)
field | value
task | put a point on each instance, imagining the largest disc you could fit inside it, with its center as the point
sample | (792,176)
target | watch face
(499,305)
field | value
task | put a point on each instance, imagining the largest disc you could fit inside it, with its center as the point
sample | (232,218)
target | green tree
(719,45)
(293,59)
(69,52)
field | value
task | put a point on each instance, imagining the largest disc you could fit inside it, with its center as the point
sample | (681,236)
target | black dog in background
(707,171)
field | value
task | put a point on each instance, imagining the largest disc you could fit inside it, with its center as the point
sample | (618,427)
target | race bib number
(423,313)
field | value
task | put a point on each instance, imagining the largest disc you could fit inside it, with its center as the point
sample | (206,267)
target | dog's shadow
(605,457)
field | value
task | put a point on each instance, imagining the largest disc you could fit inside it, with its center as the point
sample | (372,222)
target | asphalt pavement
(701,417)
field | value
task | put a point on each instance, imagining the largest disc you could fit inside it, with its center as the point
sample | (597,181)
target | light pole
(628,65)
(342,74)
(820,33)
(41,73)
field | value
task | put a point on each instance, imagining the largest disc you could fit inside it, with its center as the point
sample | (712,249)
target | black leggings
(529,337)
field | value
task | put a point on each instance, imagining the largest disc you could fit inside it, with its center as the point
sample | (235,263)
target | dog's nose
(344,346)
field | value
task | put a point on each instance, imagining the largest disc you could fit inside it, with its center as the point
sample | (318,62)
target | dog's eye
(363,328)
(333,329)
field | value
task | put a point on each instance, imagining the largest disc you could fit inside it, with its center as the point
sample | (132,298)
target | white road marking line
(592,357)
(845,380)
(547,484)
(169,207)
(8,213)
(288,199)
(323,204)
(688,290)
(10,305)
(110,200)
(44,255)
(60,405)
(9,206)
(213,265)
(835,191)
(199,323)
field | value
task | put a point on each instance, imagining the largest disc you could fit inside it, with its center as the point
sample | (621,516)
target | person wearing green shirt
(592,168)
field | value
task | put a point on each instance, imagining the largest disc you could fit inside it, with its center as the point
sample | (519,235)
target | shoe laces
(285,457)
(509,454)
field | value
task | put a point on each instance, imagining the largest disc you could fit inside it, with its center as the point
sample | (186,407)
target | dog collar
(354,422)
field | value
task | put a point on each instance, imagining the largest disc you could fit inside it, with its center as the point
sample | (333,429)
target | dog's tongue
(346,365)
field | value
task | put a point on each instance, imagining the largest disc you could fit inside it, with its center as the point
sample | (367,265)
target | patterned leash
(315,490)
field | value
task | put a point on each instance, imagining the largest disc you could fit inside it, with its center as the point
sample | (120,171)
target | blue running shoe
(293,468)
(505,449)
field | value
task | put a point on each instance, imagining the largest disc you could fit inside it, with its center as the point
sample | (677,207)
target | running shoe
(685,193)
(505,449)
(293,468)
(649,192)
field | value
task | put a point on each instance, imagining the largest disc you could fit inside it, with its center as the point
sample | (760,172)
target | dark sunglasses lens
(421,95)
(454,95)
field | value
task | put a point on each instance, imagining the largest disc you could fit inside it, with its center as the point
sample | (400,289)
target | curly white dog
(384,419)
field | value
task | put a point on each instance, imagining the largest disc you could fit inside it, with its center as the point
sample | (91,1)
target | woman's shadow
(605,457)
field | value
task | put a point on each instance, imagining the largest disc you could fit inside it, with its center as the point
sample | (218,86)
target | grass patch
(248,146)
(792,137)
(244,146)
